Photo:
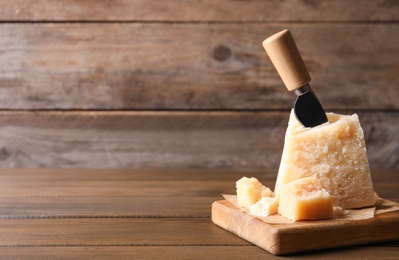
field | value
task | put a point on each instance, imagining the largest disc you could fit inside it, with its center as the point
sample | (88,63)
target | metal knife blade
(308,109)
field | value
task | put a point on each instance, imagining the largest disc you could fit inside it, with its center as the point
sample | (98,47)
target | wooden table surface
(139,214)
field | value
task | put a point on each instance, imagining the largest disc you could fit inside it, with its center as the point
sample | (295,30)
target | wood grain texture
(112,232)
(281,239)
(163,139)
(57,206)
(138,139)
(383,251)
(115,188)
(136,252)
(53,206)
(181,55)
(131,193)
(67,185)
(192,66)
(145,225)
(196,10)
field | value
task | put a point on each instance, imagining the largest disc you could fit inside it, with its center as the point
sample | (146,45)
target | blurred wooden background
(186,83)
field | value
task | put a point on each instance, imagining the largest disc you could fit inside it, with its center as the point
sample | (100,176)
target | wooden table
(139,214)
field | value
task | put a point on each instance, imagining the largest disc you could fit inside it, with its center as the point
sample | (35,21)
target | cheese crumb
(250,191)
(264,207)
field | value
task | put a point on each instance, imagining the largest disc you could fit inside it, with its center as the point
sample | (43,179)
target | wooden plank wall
(186,83)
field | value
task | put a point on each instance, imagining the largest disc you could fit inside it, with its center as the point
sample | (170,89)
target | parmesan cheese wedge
(335,154)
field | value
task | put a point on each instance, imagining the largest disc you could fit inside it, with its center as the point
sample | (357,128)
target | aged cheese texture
(305,199)
(334,153)
(250,191)
(266,206)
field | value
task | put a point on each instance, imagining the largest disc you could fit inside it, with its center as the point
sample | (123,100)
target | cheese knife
(288,62)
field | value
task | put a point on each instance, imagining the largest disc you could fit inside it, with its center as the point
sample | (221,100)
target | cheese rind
(334,153)
(305,199)
(250,191)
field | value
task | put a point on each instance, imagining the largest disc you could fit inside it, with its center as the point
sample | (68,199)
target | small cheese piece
(334,153)
(265,207)
(339,211)
(250,191)
(305,199)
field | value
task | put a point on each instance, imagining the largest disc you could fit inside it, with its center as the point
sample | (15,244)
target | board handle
(287,60)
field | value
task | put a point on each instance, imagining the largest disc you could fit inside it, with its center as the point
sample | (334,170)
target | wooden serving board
(281,239)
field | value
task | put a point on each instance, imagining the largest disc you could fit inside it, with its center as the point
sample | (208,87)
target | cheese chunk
(334,153)
(250,191)
(305,199)
(264,207)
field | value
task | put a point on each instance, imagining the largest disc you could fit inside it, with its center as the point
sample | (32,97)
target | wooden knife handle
(287,60)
